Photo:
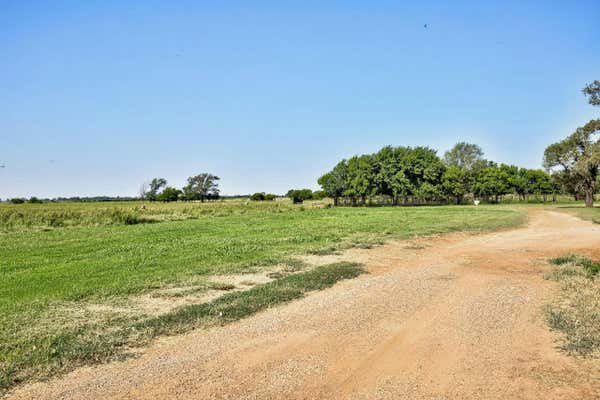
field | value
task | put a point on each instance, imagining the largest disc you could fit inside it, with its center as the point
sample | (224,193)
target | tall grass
(54,215)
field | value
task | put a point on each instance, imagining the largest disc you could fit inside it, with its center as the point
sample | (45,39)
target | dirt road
(457,319)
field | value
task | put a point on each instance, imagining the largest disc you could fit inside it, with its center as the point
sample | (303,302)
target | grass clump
(576,310)
(590,267)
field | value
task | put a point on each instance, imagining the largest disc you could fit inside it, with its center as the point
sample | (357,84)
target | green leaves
(578,158)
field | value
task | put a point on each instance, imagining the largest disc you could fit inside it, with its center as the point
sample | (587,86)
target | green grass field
(57,259)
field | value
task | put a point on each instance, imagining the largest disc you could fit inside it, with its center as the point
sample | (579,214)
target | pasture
(71,272)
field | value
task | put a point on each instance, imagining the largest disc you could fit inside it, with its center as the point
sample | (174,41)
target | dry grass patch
(576,309)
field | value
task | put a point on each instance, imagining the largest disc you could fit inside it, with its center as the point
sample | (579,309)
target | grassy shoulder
(50,277)
(62,350)
(576,310)
(578,210)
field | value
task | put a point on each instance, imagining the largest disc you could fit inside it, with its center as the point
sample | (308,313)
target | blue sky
(99,96)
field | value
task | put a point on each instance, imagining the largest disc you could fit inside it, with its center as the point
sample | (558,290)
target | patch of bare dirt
(453,318)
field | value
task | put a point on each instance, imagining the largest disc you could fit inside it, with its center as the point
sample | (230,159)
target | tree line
(417,175)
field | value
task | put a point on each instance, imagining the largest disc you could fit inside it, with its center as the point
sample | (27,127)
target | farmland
(71,271)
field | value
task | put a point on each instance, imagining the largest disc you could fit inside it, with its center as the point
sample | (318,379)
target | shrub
(34,200)
(262,196)
(319,195)
(299,195)
(259,196)
(169,194)
(17,200)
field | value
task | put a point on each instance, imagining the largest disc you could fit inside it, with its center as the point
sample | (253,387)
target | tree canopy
(202,187)
(417,175)
(593,92)
(577,157)
(463,155)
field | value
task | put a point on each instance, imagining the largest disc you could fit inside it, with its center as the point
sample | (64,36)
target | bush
(17,200)
(299,195)
(34,200)
(262,196)
(169,194)
(319,195)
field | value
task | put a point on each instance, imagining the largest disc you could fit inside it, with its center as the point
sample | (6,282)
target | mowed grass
(47,273)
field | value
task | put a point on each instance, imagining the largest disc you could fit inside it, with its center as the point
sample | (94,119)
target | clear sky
(99,96)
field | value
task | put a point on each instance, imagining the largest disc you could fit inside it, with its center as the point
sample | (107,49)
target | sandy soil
(458,317)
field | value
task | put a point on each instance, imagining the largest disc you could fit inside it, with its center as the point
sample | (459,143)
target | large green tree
(149,191)
(361,178)
(463,155)
(493,182)
(578,156)
(455,183)
(202,187)
(169,194)
(334,183)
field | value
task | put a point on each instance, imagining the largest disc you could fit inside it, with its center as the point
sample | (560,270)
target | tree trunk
(335,201)
(458,198)
(589,198)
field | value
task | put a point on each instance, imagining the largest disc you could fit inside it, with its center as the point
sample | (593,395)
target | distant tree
(319,194)
(578,156)
(540,183)
(169,194)
(143,191)
(17,200)
(202,187)
(455,183)
(259,196)
(463,155)
(334,183)
(568,183)
(154,188)
(270,197)
(493,182)
(34,200)
(518,180)
(424,170)
(299,195)
(361,178)
(593,91)
(400,186)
